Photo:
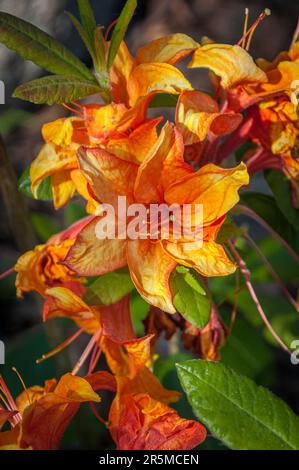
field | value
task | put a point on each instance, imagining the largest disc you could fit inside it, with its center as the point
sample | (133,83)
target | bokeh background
(250,349)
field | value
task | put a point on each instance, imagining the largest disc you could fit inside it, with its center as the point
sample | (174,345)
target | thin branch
(275,276)
(246,274)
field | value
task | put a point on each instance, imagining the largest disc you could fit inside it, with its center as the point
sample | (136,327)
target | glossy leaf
(236,410)
(190,297)
(55,89)
(111,287)
(33,44)
(120,29)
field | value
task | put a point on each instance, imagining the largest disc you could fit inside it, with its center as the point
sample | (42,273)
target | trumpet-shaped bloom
(153,69)
(41,268)
(42,414)
(163,177)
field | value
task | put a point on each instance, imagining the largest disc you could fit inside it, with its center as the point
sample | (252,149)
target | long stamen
(22,382)
(3,399)
(74,103)
(73,110)
(17,418)
(252,28)
(59,348)
(265,13)
(87,351)
(245,26)
(272,272)
(93,408)
(246,274)
(107,32)
(296,35)
(7,273)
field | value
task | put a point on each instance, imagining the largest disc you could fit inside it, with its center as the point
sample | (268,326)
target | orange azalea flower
(57,159)
(163,177)
(41,267)
(138,390)
(40,415)
(152,70)
(139,417)
(234,70)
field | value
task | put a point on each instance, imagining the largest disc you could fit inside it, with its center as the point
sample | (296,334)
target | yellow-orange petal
(214,187)
(137,144)
(150,268)
(155,77)
(168,49)
(62,302)
(164,165)
(102,120)
(108,175)
(92,256)
(63,188)
(120,73)
(208,258)
(82,187)
(231,63)
(197,113)
(51,160)
(45,420)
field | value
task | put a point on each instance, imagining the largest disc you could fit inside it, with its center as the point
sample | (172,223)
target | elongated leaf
(87,19)
(111,287)
(83,34)
(33,44)
(281,189)
(120,29)
(55,89)
(190,297)
(44,191)
(44,225)
(237,411)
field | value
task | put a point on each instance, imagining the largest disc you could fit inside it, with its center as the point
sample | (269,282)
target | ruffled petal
(155,77)
(231,63)
(168,49)
(214,187)
(150,268)
(208,258)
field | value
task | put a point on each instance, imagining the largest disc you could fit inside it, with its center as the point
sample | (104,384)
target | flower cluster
(106,150)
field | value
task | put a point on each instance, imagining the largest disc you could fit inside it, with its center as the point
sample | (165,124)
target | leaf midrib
(237,406)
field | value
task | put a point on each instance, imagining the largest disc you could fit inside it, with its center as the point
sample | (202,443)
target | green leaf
(73,212)
(55,89)
(236,410)
(111,287)
(89,44)
(266,207)
(87,18)
(44,191)
(33,44)
(164,100)
(280,186)
(190,297)
(44,225)
(120,29)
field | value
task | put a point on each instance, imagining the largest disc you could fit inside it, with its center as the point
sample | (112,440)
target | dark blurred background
(20,123)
